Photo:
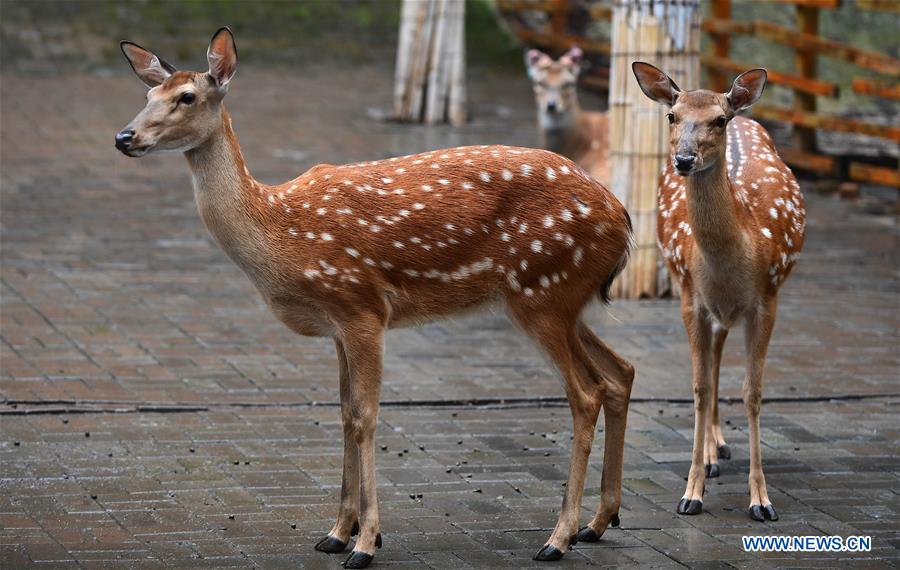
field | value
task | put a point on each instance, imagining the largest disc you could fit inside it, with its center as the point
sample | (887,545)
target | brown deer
(348,251)
(730,226)
(563,126)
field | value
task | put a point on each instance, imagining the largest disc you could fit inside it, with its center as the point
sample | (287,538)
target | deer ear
(655,84)
(150,68)
(572,58)
(534,57)
(746,89)
(222,57)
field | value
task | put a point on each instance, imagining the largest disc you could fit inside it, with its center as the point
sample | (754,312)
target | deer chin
(137,152)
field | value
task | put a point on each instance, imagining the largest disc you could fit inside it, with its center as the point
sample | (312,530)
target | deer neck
(713,214)
(561,133)
(224,192)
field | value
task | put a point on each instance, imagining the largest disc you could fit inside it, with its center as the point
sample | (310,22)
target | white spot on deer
(435,165)
(523,265)
(418,206)
(536,246)
(513,281)
(293,231)
(351,252)
(326,237)
(387,264)
(321,211)
(411,272)
(344,211)
(369,261)
(526,169)
(774,213)
(400,170)
(565,169)
(444,181)
(548,221)
(375,228)
(310,235)
(578,255)
(399,245)
(415,240)
(506,174)
(566,215)
(545,281)
(528,291)
(485,177)
(387,180)
(311,273)
(551,174)
(504,236)
(583,209)
(766,232)
(523,227)
(467,185)
(404,213)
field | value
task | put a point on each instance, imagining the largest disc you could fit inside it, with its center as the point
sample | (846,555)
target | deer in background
(564,127)
(730,226)
(349,251)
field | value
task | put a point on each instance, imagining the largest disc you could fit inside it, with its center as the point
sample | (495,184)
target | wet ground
(154,414)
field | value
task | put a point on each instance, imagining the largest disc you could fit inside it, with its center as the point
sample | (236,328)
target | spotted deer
(563,126)
(730,226)
(349,251)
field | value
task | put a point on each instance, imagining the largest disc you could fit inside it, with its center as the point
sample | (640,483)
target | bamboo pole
(429,81)
(665,33)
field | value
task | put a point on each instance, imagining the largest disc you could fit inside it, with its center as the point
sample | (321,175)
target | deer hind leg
(558,337)
(716,448)
(617,375)
(758,331)
(698,323)
(347,524)
(363,341)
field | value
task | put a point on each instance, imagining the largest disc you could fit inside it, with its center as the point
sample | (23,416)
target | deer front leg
(618,375)
(698,323)
(363,346)
(758,331)
(347,523)
(716,448)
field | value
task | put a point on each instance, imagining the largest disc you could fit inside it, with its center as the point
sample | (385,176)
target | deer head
(697,119)
(183,107)
(554,81)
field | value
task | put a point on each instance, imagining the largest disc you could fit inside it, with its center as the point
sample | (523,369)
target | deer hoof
(587,534)
(712,470)
(548,553)
(690,506)
(358,560)
(763,513)
(614,521)
(331,545)
(724,451)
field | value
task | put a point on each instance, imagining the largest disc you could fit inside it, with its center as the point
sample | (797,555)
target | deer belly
(725,295)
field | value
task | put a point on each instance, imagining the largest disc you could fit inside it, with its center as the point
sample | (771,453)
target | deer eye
(671,117)
(187,98)
(720,121)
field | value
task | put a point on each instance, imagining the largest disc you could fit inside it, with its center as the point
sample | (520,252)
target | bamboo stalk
(665,33)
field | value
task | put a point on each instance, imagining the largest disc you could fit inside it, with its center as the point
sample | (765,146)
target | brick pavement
(115,300)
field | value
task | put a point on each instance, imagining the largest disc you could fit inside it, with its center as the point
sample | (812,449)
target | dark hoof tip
(331,545)
(614,521)
(712,470)
(358,560)
(690,507)
(587,534)
(378,540)
(756,513)
(769,512)
(724,452)
(548,554)
(355,530)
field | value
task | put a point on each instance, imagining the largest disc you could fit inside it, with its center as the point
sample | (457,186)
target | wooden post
(718,80)
(808,23)
(666,34)
(429,81)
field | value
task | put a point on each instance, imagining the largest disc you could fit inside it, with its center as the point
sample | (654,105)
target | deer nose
(124,138)
(552,106)
(684,162)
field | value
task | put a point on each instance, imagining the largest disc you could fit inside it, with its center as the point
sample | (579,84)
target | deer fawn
(730,226)
(349,251)
(564,128)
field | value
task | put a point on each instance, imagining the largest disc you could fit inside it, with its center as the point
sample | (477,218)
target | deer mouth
(137,151)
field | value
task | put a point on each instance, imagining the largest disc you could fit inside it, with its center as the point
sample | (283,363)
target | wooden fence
(553,32)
